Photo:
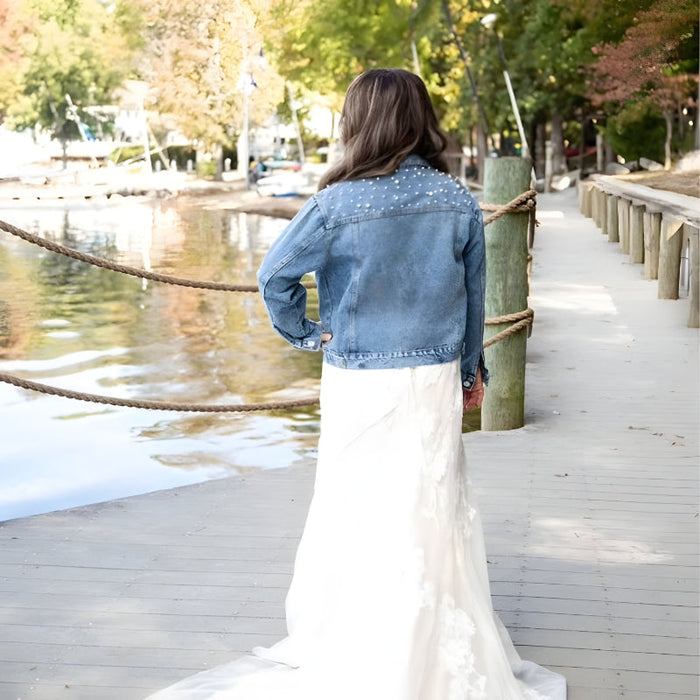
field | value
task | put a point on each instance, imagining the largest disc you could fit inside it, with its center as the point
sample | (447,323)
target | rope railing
(523,203)
(520,320)
(125,269)
(156,405)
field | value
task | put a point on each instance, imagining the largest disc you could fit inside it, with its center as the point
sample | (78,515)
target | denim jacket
(399,264)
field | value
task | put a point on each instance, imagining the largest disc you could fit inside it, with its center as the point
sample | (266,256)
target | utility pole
(490,22)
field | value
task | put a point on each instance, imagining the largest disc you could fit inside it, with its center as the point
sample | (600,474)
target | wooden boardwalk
(590,512)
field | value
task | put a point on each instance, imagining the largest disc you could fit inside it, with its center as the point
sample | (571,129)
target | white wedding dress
(390,596)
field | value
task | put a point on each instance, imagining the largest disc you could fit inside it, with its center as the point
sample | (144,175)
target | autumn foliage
(649,66)
(647,63)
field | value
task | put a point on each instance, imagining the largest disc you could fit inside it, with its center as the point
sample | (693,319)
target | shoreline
(227,195)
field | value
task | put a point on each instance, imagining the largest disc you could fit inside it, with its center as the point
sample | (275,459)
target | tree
(324,44)
(549,76)
(329,42)
(14,28)
(651,65)
(70,49)
(199,57)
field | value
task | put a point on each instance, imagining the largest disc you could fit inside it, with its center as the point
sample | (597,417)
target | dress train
(390,596)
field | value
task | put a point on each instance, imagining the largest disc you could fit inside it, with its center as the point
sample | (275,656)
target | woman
(390,597)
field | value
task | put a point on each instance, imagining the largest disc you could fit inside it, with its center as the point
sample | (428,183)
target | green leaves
(73,49)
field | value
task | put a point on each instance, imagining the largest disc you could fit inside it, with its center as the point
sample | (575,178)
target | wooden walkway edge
(590,514)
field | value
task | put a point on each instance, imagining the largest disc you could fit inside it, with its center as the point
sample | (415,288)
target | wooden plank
(660,686)
(649,612)
(639,628)
(686,208)
(595,579)
(677,672)
(146,621)
(253,607)
(557,590)
(608,641)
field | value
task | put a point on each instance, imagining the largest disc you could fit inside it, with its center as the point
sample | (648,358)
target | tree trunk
(697,122)
(557,138)
(610,155)
(582,145)
(465,60)
(453,152)
(668,116)
(219,160)
(540,139)
(481,153)
(472,160)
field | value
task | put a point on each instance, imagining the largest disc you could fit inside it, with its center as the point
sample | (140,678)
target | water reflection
(66,323)
(69,324)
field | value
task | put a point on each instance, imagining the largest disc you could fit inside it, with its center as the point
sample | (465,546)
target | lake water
(69,324)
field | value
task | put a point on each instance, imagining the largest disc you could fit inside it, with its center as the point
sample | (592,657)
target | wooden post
(603,212)
(506,293)
(637,233)
(652,236)
(670,258)
(599,153)
(582,205)
(594,204)
(612,222)
(587,200)
(623,224)
(694,315)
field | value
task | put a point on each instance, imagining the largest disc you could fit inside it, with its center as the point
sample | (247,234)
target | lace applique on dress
(455,653)
(424,589)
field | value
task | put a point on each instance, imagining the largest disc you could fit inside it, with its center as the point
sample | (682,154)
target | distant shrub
(637,131)
(206,168)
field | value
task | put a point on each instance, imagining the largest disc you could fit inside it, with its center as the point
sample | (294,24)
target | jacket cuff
(469,378)
(311,341)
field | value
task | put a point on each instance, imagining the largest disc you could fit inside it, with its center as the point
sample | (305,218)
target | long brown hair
(387,116)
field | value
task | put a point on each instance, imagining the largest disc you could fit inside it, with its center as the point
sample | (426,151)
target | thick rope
(156,405)
(520,320)
(522,203)
(127,269)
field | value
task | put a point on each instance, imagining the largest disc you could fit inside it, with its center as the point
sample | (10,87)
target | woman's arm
(299,249)
(474,258)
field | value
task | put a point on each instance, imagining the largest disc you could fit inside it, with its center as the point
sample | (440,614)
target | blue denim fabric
(399,263)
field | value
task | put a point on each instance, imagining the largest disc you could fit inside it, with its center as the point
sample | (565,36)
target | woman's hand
(325,337)
(471,398)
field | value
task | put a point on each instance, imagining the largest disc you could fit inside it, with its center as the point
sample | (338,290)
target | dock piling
(652,237)
(506,293)
(612,222)
(637,233)
(694,314)
(623,224)
(671,242)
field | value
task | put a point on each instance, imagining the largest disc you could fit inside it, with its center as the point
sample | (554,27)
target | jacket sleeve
(474,257)
(300,249)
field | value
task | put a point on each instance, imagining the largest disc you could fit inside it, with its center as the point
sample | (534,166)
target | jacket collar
(413,160)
